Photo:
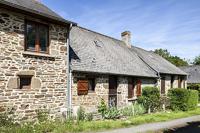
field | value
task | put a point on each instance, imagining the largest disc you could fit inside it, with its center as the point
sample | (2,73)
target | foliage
(183,99)
(150,99)
(81,114)
(193,99)
(87,126)
(112,113)
(89,117)
(133,110)
(195,87)
(173,59)
(5,120)
(196,60)
(42,115)
(102,108)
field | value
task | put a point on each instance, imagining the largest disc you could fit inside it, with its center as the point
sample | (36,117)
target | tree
(177,61)
(196,60)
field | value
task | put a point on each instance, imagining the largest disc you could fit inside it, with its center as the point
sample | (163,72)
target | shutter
(130,88)
(139,88)
(82,87)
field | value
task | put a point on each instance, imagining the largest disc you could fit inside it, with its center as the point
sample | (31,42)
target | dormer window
(37,37)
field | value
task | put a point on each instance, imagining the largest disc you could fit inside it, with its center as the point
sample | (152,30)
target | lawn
(88,126)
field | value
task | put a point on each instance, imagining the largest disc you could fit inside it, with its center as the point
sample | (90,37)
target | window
(91,86)
(37,37)
(112,82)
(139,88)
(25,82)
(172,81)
(131,88)
(86,85)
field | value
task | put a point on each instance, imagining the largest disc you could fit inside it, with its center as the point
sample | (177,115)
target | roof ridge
(99,33)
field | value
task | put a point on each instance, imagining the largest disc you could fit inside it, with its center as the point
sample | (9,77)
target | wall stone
(49,79)
(91,101)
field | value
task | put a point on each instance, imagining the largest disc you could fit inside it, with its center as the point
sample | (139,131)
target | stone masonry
(49,78)
(91,101)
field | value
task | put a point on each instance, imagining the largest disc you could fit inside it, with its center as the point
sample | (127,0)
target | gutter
(68,94)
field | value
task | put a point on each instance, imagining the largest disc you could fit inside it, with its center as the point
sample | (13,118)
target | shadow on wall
(191,127)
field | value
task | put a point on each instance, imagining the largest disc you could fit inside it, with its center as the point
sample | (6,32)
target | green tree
(177,61)
(196,60)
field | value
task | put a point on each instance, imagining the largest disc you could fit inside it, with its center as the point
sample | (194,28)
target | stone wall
(168,82)
(90,101)
(49,79)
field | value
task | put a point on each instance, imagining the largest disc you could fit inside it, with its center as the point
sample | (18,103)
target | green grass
(86,126)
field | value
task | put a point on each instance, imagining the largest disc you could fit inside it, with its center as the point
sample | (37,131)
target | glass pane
(31,36)
(43,37)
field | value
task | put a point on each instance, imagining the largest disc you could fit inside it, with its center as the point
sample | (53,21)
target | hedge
(183,99)
(150,99)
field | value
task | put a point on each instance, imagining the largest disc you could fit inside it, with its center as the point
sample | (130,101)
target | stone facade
(49,78)
(91,101)
(175,82)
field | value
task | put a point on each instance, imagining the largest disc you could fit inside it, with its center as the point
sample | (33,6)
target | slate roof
(193,73)
(158,63)
(94,52)
(35,7)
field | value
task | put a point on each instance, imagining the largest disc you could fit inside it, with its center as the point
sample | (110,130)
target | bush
(81,114)
(102,108)
(112,113)
(193,99)
(183,99)
(133,110)
(89,117)
(42,115)
(150,99)
(195,87)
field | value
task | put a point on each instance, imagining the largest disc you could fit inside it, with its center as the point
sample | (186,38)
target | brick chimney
(126,38)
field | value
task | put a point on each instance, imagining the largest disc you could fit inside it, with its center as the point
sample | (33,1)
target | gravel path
(157,126)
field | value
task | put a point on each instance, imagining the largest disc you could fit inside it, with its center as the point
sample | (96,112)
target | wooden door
(112,91)
(179,82)
(162,85)
(130,88)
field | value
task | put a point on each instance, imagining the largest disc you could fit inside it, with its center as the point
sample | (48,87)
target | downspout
(68,94)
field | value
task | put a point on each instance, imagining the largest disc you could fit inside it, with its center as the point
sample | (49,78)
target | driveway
(183,125)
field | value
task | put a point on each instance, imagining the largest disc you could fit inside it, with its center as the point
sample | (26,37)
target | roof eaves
(21,8)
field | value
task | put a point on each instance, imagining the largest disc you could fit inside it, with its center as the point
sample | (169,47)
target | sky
(170,24)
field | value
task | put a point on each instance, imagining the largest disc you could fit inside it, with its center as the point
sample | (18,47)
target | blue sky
(170,24)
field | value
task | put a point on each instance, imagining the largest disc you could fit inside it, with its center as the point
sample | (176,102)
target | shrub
(150,99)
(102,108)
(81,114)
(195,87)
(89,117)
(112,113)
(183,99)
(193,99)
(42,115)
(5,120)
(133,110)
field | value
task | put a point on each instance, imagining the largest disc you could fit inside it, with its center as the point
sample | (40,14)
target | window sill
(27,53)
(132,99)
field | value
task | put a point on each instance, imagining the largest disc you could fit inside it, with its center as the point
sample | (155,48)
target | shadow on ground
(191,127)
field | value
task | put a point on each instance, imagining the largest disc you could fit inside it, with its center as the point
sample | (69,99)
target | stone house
(112,69)
(33,59)
(193,72)
(36,46)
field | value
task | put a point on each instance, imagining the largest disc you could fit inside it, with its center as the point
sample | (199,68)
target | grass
(91,126)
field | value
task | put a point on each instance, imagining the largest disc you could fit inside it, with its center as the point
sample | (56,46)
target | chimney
(126,38)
